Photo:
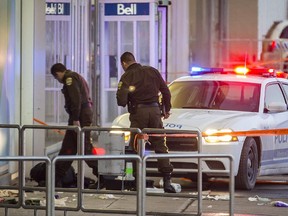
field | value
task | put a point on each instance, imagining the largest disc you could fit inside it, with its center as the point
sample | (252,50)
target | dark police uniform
(79,107)
(139,88)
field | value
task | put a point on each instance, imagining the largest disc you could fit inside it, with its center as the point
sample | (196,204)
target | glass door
(162,40)
(119,34)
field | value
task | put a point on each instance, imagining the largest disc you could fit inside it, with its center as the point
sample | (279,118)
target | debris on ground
(9,193)
(217,197)
(256,198)
(279,204)
(58,202)
(154,190)
(107,196)
(33,202)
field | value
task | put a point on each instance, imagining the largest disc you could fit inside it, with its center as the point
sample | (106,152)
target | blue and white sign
(126,9)
(53,8)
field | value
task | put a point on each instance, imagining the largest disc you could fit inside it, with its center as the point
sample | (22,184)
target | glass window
(215,95)
(111,54)
(57,43)
(284,33)
(285,86)
(273,94)
(66,42)
(57,50)
(126,31)
(143,41)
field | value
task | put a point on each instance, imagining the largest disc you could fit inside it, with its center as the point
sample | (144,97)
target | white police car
(223,101)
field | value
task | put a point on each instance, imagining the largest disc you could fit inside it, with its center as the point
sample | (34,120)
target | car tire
(248,166)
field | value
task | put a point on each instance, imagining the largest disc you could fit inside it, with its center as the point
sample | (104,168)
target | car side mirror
(276,107)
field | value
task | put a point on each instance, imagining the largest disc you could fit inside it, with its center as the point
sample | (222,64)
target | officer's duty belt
(155,104)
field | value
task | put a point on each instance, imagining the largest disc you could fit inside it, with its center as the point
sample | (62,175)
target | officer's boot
(168,188)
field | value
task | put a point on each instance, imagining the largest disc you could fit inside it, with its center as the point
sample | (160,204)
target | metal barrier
(81,190)
(22,188)
(199,156)
(11,126)
(46,127)
(80,178)
(141,168)
(139,177)
(186,134)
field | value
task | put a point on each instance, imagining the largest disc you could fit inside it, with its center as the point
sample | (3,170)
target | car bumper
(210,166)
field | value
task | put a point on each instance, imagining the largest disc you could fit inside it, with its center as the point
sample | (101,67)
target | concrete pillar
(32,68)
(178,39)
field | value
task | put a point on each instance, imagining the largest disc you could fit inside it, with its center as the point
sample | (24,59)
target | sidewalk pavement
(184,203)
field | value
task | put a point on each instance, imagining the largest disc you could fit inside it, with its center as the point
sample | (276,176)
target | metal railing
(80,190)
(80,184)
(186,134)
(199,182)
(21,188)
(46,127)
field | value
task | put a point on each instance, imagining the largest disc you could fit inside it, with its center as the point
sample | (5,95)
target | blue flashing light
(201,70)
(196,69)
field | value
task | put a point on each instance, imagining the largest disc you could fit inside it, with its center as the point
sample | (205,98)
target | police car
(215,100)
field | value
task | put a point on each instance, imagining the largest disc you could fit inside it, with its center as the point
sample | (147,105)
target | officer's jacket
(76,93)
(141,85)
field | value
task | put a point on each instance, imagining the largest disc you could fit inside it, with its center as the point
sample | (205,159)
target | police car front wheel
(248,166)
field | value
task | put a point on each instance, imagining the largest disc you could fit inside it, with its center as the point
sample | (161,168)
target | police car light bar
(265,72)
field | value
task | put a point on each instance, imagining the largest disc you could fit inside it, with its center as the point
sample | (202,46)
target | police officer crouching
(78,105)
(139,89)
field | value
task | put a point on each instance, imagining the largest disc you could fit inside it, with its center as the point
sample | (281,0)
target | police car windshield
(220,95)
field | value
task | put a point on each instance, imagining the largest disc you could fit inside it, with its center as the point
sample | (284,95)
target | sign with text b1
(126,9)
(56,8)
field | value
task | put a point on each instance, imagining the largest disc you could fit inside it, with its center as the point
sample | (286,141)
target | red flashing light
(272,46)
(98,151)
(266,72)
(281,74)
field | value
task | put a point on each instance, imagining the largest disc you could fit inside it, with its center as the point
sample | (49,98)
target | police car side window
(284,33)
(285,87)
(273,94)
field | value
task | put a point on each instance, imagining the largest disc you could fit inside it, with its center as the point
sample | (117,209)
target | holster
(162,108)
(132,108)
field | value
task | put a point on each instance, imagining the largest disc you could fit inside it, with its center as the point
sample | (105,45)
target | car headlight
(211,137)
(126,134)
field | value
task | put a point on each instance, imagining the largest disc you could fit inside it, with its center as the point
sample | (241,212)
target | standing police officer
(139,89)
(78,105)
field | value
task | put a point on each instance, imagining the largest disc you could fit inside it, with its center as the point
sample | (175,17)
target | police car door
(279,149)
